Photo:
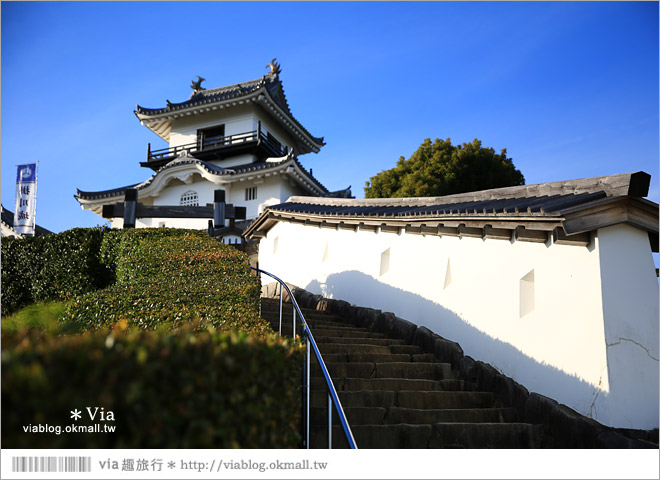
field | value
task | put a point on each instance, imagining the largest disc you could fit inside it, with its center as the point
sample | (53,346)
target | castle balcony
(219,147)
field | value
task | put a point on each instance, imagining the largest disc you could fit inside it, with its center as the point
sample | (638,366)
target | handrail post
(308,355)
(293,334)
(281,311)
(329,421)
(305,420)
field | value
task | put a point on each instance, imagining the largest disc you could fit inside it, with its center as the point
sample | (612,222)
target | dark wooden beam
(522,234)
(346,226)
(329,225)
(130,204)
(415,230)
(367,227)
(603,213)
(452,231)
(498,233)
(465,231)
(385,228)
(559,237)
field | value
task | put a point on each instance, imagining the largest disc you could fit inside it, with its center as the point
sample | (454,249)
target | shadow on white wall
(363,290)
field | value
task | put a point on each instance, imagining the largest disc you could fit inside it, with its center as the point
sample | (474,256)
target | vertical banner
(26,199)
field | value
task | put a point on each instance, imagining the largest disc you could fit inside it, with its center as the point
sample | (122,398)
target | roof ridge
(625,184)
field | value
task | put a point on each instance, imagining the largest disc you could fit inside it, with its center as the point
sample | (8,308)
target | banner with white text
(26,199)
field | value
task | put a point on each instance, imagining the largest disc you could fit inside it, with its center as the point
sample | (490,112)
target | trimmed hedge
(165,281)
(180,389)
(156,351)
(52,267)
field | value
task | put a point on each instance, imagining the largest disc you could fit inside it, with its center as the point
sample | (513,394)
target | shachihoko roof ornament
(197,85)
(275,68)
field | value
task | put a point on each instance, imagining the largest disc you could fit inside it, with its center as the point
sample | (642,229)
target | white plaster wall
(239,119)
(171,194)
(269,192)
(270,125)
(558,349)
(630,305)
(235,161)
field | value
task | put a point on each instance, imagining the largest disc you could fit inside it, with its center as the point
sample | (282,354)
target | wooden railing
(210,144)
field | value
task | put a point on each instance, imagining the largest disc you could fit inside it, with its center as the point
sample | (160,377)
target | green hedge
(52,267)
(180,389)
(170,280)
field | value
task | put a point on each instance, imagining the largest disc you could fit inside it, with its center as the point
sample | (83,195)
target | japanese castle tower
(241,138)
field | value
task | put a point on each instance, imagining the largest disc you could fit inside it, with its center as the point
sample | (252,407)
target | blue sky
(569,89)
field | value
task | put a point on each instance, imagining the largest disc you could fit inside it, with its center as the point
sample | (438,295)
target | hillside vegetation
(173,345)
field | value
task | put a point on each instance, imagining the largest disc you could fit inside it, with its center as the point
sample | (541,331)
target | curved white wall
(534,311)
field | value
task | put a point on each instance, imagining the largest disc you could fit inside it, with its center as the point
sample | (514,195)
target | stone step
(336,332)
(355,416)
(413,370)
(343,348)
(327,331)
(393,384)
(429,400)
(389,370)
(287,324)
(311,320)
(378,357)
(409,349)
(437,435)
(360,341)
(274,312)
(396,415)
(339,371)
(445,399)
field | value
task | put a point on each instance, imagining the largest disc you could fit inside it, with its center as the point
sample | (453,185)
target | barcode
(51,464)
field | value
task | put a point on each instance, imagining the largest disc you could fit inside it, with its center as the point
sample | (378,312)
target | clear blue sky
(569,89)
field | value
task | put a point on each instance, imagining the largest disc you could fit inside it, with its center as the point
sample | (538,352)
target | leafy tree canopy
(439,168)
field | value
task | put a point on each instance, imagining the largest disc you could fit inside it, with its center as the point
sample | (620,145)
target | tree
(440,168)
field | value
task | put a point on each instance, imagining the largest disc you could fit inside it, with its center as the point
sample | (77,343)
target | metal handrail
(310,342)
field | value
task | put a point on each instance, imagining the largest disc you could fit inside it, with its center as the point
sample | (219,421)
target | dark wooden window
(251,193)
(211,137)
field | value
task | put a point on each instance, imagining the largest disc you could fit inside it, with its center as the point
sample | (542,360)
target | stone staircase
(396,396)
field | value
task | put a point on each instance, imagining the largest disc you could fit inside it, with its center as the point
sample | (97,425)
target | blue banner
(26,173)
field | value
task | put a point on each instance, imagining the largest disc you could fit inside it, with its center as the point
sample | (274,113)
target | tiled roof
(528,206)
(575,207)
(209,167)
(271,83)
(8,219)
(212,95)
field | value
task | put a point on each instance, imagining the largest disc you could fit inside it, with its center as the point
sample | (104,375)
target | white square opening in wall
(385,262)
(527,294)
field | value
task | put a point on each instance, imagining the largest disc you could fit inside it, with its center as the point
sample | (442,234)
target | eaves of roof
(269,85)
(211,169)
(567,211)
(7,218)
